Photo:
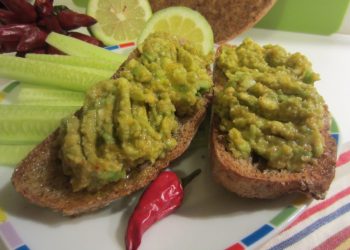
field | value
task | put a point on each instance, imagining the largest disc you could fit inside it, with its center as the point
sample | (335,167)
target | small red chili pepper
(162,197)
(86,38)
(71,20)
(13,32)
(33,38)
(53,51)
(7,47)
(44,7)
(8,17)
(50,23)
(23,10)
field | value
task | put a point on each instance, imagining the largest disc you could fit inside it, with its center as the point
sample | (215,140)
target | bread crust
(248,180)
(40,179)
(228,18)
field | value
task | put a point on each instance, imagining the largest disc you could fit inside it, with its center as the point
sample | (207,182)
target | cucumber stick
(11,155)
(34,95)
(28,124)
(75,61)
(76,47)
(50,74)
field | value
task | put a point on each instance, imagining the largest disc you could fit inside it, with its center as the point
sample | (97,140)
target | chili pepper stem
(190,177)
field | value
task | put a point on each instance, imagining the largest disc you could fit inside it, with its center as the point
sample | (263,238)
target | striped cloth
(325,224)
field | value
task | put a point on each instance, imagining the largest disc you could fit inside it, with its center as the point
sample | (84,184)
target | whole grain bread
(253,180)
(40,179)
(228,18)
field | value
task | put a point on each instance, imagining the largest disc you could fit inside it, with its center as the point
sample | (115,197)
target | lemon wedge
(118,21)
(184,23)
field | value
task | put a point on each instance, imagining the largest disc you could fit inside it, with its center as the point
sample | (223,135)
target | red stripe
(124,45)
(236,246)
(343,158)
(335,240)
(320,206)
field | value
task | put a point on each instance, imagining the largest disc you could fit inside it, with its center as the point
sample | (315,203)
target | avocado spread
(133,119)
(269,106)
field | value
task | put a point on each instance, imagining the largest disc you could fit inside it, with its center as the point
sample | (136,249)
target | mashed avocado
(133,119)
(269,106)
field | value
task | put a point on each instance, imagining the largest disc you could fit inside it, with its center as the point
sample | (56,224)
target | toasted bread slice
(40,179)
(228,18)
(246,178)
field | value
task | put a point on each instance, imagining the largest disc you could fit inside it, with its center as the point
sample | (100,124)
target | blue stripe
(112,47)
(313,227)
(23,247)
(336,137)
(257,235)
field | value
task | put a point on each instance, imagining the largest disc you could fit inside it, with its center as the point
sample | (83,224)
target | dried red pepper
(8,17)
(53,51)
(13,32)
(23,10)
(50,23)
(32,39)
(71,20)
(7,47)
(44,7)
(162,197)
(86,38)
(28,36)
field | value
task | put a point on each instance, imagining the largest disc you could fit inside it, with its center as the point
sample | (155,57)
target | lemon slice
(182,22)
(118,21)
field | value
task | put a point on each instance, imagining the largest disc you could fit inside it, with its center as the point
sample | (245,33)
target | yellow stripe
(344,246)
(3,216)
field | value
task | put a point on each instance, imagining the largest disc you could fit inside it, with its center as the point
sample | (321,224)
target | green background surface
(309,16)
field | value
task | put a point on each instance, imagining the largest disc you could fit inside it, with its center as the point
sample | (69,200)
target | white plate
(210,218)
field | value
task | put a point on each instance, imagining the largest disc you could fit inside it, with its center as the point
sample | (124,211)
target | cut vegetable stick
(76,61)
(11,155)
(34,95)
(50,74)
(29,125)
(75,47)
(18,112)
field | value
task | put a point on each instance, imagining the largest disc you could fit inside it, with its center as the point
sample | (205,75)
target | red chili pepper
(13,32)
(53,51)
(35,51)
(162,197)
(44,7)
(32,39)
(7,47)
(50,23)
(23,10)
(71,20)
(8,17)
(85,38)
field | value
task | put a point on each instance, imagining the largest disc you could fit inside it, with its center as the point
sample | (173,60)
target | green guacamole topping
(133,119)
(269,106)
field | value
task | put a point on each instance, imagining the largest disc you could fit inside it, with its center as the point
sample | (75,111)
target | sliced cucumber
(50,74)
(11,155)
(33,95)
(76,47)
(76,61)
(28,124)
(18,112)
(26,131)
